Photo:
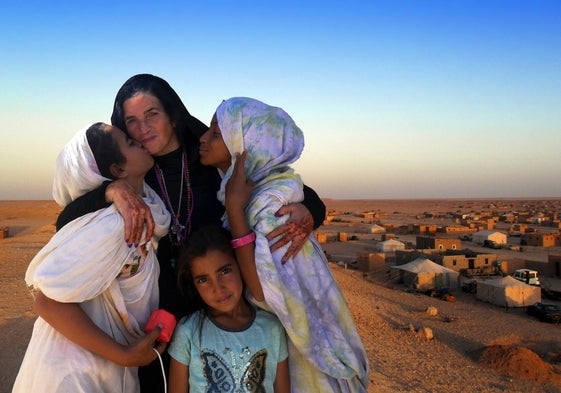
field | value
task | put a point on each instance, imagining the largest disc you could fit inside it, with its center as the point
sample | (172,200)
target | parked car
(528,276)
(491,244)
(545,312)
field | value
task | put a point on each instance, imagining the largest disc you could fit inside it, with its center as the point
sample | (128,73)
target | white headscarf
(76,171)
(272,138)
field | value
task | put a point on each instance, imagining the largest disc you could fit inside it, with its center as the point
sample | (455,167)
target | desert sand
(476,347)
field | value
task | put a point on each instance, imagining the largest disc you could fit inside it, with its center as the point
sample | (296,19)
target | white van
(527,276)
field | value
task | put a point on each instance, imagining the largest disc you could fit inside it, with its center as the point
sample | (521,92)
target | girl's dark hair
(104,148)
(201,241)
(187,128)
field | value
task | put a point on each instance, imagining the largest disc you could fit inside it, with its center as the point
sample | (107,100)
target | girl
(98,348)
(325,350)
(228,345)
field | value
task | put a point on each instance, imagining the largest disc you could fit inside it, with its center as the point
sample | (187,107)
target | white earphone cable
(163,371)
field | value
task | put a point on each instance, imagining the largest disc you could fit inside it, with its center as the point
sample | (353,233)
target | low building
(492,236)
(467,259)
(424,228)
(371,262)
(423,242)
(539,239)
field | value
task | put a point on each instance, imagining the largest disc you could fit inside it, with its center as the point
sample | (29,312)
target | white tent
(508,292)
(424,274)
(375,228)
(390,245)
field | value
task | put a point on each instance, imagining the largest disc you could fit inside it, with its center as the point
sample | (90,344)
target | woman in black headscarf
(151,112)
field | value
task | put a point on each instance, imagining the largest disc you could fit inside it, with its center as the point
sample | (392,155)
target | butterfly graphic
(220,378)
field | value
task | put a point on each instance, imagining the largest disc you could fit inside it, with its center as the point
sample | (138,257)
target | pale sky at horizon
(397,99)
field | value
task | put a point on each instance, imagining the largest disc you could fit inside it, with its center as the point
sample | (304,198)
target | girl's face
(212,149)
(149,123)
(138,160)
(217,278)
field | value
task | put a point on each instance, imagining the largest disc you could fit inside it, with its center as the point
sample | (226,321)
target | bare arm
(304,218)
(238,191)
(282,379)
(133,209)
(178,377)
(73,323)
(130,205)
(295,231)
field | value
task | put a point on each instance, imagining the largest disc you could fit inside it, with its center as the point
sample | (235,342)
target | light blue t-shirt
(222,360)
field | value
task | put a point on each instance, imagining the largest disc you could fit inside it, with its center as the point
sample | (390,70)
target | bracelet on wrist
(243,241)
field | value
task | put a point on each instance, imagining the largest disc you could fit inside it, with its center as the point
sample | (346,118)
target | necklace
(178,231)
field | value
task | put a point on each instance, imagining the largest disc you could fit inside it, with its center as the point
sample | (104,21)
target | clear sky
(397,99)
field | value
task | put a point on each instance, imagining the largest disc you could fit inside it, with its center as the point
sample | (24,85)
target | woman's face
(148,123)
(212,149)
(138,160)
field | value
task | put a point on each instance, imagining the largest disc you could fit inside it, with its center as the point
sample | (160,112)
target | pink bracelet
(243,241)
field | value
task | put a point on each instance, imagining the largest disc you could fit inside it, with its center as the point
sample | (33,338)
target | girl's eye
(226,270)
(200,280)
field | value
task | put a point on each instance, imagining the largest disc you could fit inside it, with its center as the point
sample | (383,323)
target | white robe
(80,264)
(88,262)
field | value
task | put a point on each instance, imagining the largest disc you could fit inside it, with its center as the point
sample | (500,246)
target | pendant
(177,228)
(178,232)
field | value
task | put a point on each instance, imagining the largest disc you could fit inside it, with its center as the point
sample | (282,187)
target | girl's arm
(282,380)
(178,377)
(70,320)
(238,191)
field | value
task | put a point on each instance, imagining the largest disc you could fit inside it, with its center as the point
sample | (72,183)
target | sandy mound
(519,362)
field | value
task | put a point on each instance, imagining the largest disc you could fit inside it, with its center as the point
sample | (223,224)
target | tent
(424,274)
(390,245)
(508,292)
(377,229)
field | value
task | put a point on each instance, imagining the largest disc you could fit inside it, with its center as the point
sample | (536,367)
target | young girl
(325,350)
(228,345)
(98,347)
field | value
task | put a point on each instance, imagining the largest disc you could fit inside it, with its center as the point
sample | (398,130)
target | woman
(151,112)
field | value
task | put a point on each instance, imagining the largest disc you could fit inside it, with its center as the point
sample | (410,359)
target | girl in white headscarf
(88,263)
(252,144)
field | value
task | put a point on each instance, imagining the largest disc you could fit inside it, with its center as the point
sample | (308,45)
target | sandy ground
(476,347)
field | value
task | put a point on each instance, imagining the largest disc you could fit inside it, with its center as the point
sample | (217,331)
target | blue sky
(397,99)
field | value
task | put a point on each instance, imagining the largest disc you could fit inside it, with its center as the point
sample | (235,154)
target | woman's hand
(295,231)
(132,208)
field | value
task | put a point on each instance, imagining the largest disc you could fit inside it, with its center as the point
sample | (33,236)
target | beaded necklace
(178,232)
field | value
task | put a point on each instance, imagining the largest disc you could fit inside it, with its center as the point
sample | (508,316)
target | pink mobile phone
(167,322)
